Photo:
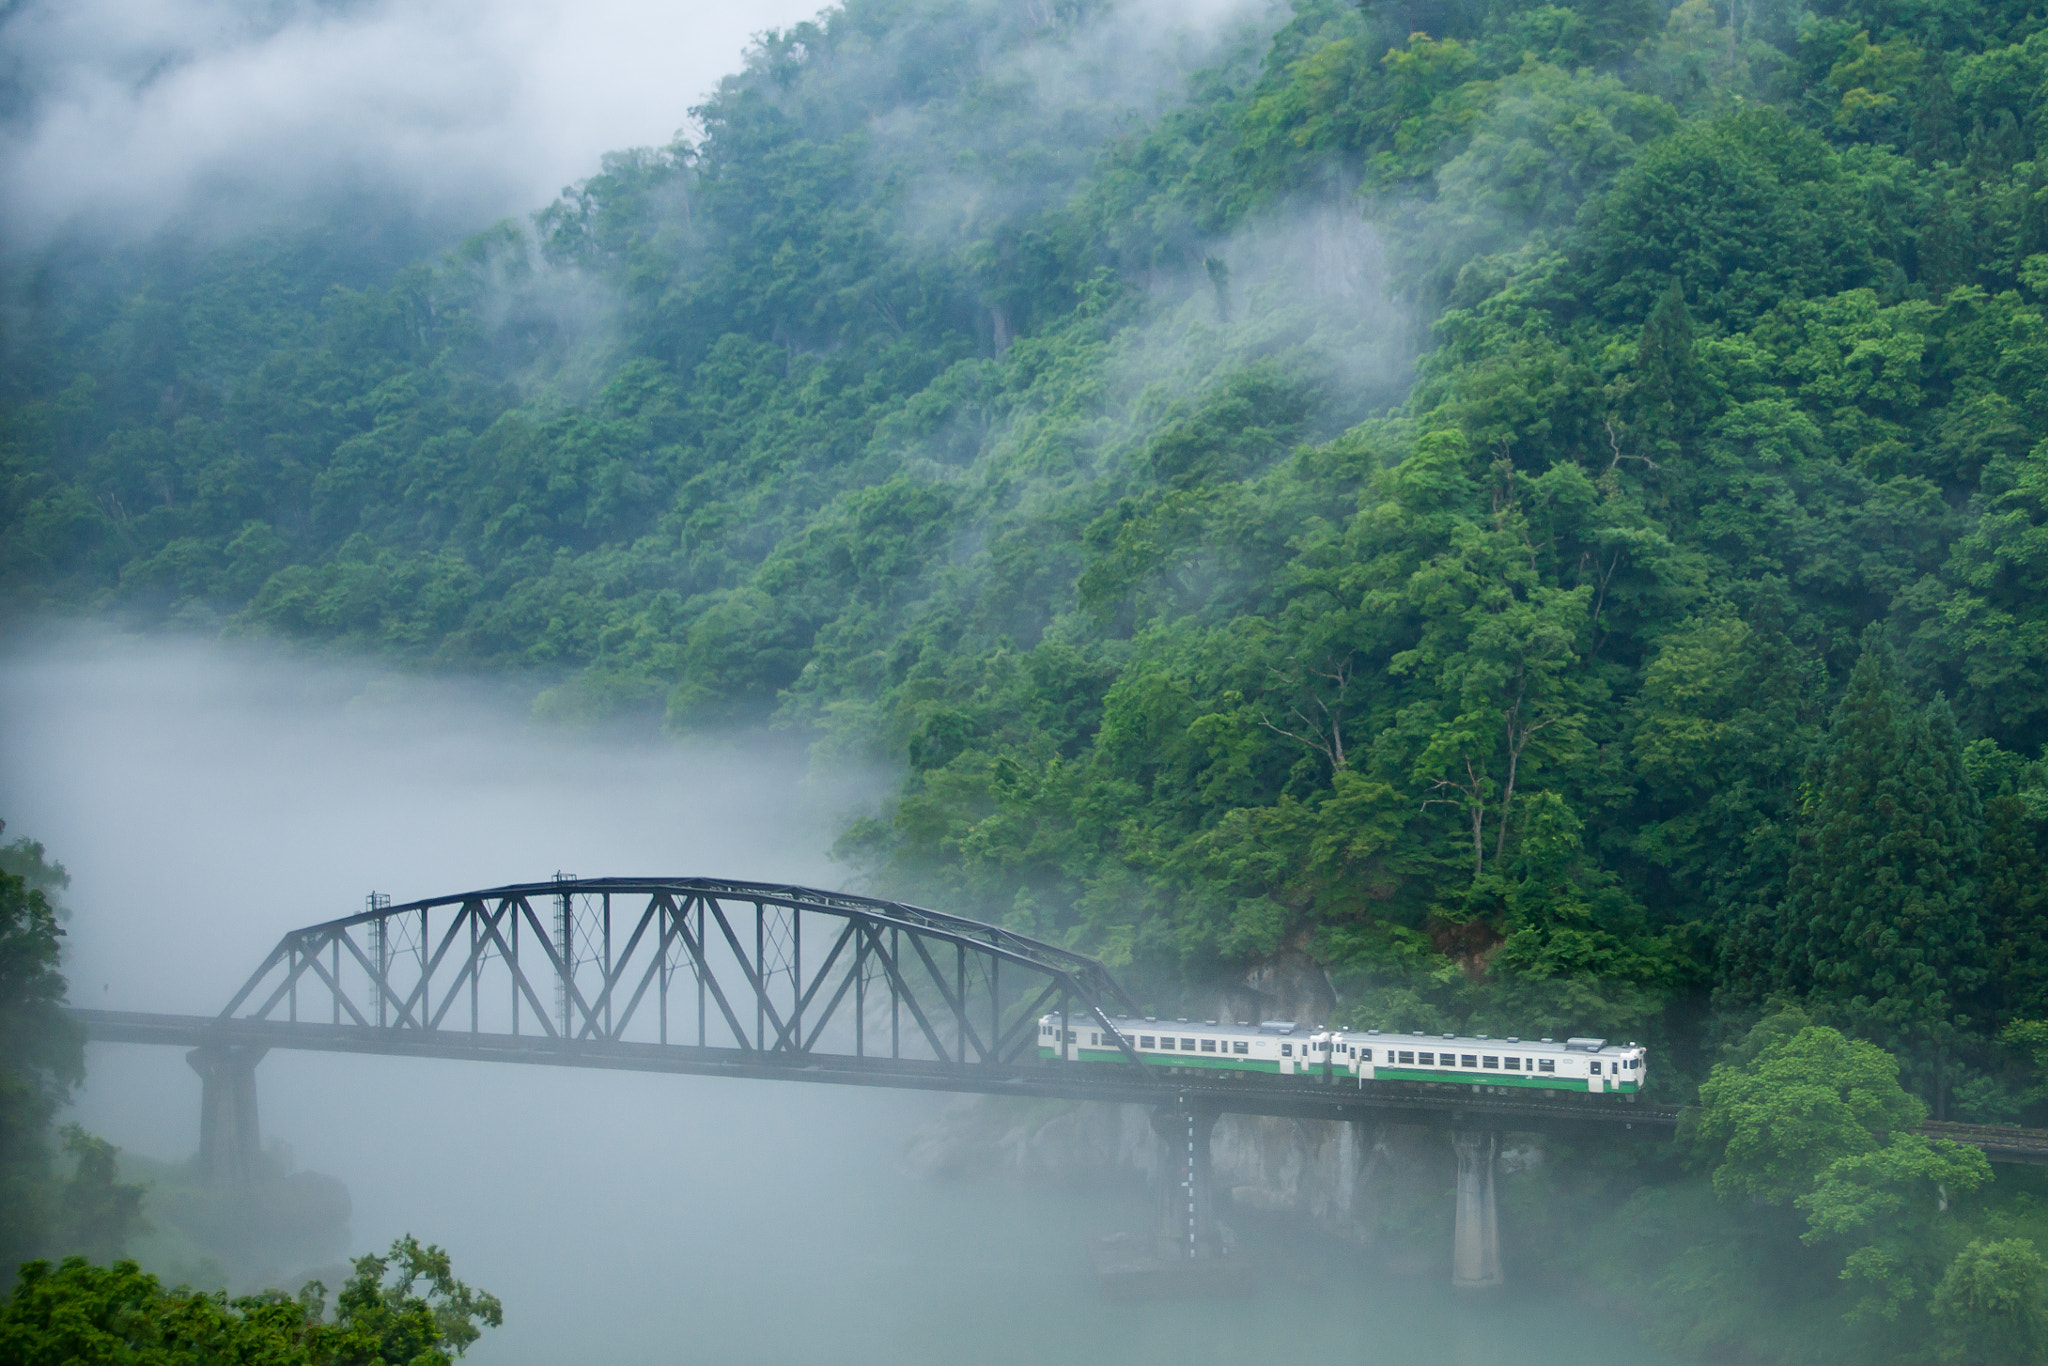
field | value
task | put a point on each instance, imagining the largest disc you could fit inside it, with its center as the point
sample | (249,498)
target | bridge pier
(1475,1239)
(229,1139)
(1188,1230)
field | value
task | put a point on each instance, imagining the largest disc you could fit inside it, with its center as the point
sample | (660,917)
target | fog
(120,115)
(206,798)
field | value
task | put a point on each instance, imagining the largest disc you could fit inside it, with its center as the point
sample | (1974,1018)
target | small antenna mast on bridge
(375,902)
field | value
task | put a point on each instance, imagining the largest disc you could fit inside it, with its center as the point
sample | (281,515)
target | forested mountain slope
(1491,497)
(1539,510)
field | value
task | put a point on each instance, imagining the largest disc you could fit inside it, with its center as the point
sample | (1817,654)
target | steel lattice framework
(778,973)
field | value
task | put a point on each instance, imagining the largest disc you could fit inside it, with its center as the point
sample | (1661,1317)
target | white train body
(1282,1048)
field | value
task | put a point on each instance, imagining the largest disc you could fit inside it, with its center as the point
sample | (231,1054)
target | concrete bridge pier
(1475,1240)
(1188,1228)
(229,1140)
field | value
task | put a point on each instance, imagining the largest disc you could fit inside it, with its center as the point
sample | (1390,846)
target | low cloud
(120,115)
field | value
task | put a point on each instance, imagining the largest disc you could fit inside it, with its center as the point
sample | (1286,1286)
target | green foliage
(1881,919)
(405,1308)
(97,1214)
(42,1055)
(1886,1206)
(1776,1122)
(1988,1305)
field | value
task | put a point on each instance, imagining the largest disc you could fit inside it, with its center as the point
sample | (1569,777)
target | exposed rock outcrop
(1357,1181)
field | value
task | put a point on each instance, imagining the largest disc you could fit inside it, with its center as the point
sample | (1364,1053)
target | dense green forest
(1540,511)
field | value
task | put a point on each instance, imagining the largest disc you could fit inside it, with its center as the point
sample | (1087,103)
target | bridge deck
(1237,1093)
(1290,1097)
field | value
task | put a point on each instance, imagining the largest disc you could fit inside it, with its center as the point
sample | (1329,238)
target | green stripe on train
(1552,1082)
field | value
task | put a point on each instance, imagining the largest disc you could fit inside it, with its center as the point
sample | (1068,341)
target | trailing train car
(1283,1048)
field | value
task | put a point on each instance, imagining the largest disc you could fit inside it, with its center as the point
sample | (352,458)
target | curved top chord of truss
(688,962)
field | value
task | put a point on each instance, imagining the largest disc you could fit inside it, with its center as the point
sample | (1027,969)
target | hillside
(1408,485)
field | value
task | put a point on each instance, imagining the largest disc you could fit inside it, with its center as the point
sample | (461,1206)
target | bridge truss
(775,973)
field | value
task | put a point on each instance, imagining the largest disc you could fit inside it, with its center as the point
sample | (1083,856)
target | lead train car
(1282,1048)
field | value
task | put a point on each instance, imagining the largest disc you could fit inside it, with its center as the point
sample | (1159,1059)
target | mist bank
(204,793)
(223,116)
(209,797)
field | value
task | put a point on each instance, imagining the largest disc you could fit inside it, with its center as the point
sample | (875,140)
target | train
(1283,1048)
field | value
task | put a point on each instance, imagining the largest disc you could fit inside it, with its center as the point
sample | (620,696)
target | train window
(1471,1060)
(1239,1046)
(1427,1059)
(1147,1041)
(1208,1045)
(1073,1036)
(1166,1043)
(1407,1057)
(1546,1065)
(1596,1068)
(1514,1064)
(1286,1050)
(1493,1062)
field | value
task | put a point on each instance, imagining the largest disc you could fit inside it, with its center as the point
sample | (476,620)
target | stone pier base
(1475,1240)
(229,1140)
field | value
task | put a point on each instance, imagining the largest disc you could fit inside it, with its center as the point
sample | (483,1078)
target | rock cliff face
(1368,1184)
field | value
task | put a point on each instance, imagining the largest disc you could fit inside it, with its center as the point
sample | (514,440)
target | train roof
(1134,1022)
(1576,1045)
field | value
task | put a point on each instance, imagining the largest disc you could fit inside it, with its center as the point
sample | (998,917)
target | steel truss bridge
(717,978)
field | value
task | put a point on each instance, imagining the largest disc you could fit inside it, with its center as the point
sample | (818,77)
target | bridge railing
(777,971)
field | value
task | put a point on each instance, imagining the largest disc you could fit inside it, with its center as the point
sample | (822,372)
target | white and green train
(1282,1048)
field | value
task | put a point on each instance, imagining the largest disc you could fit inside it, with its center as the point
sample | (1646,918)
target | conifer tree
(2014,877)
(1881,924)
(1669,389)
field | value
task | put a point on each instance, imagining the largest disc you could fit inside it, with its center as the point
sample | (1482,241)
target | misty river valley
(694,1218)
(1024,681)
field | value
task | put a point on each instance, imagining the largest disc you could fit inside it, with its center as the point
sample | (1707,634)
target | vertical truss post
(895,995)
(476,975)
(699,975)
(565,945)
(760,976)
(796,978)
(426,1012)
(380,954)
(860,987)
(608,963)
